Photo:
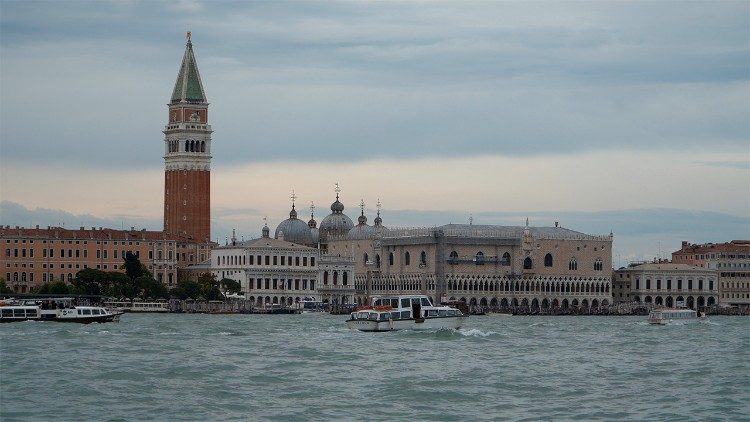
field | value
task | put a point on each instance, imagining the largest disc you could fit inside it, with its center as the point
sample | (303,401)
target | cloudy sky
(623,116)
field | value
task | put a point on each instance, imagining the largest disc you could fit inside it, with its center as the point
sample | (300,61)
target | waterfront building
(187,156)
(32,257)
(336,275)
(667,283)
(269,270)
(731,260)
(491,266)
(621,287)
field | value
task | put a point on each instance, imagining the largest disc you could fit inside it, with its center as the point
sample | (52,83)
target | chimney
(37,226)
(132,228)
(557,224)
(82,228)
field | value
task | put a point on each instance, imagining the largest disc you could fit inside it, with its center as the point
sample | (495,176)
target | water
(310,367)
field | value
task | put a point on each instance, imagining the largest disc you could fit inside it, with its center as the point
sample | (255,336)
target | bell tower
(187,156)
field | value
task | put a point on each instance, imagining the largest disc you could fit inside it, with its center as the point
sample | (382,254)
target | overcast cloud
(441,108)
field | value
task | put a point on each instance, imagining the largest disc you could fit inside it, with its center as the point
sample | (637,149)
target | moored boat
(405,312)
(137,306)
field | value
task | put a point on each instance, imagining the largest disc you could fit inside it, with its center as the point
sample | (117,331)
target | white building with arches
(667,283)
(490,266)
(270,271)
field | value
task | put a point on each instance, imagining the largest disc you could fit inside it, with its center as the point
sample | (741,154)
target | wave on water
(475,332)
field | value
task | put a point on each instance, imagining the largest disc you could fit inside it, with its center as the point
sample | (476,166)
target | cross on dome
(293,197)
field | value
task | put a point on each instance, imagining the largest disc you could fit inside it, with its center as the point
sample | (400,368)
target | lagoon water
(310,367)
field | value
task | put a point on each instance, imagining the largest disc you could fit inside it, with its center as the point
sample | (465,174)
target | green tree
(230,286)
(4,289)
(151,288)
(55,288)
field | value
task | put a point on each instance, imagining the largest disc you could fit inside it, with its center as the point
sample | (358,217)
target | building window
(377,260)
(598,265)
(648,284)
(423,258)
(407,258)
(506,259)
(573,264)
(312,261)
(548,260)
(479,258)
(390,258)
(528,264)
(366,258)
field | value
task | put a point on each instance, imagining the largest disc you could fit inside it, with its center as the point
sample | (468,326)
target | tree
(230,286)
(133,269)
(55,288)
(151,288)
(4,289)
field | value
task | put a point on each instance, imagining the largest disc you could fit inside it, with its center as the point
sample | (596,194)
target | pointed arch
(548,260)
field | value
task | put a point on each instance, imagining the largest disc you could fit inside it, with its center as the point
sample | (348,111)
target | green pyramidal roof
(188,87)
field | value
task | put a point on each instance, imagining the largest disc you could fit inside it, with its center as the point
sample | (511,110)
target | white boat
(136,306)
(33,312)
(405,312)
(666,316)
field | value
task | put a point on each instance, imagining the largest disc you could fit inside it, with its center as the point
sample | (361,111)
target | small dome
(294,230)
(312,223)
(362,220)
(361,232)
(266,230)
(335,224)
(337,206)
(293,212)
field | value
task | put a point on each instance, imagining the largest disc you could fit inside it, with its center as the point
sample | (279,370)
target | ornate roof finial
(337,189)
(471,219)
(378,207)
(293,197)
(189,35)
(362,206)
(527,221)
(312,209)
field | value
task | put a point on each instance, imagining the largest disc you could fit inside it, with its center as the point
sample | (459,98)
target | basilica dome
(362,230)
(294,230)
(336,224)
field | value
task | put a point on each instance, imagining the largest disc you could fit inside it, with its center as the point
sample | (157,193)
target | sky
(604,116)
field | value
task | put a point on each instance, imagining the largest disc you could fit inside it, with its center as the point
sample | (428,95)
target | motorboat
(665,316)
(30,311)
(405,312)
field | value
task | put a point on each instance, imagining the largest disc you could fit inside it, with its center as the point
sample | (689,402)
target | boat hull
(427,324)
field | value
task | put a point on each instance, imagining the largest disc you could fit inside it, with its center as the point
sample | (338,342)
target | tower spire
(189,87)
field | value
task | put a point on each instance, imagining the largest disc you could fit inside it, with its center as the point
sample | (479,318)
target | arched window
(366,258)
(573,264)
(506,259)
(548,260)
(344,278)
(598,265)
(527,263)
(23,276)
(454,257)
(335,278)
(407,258)
(325,277)
(479,258)
(423,258)
(390,258)
(377,260)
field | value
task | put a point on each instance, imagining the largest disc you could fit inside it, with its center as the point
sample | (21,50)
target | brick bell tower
(187,156)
